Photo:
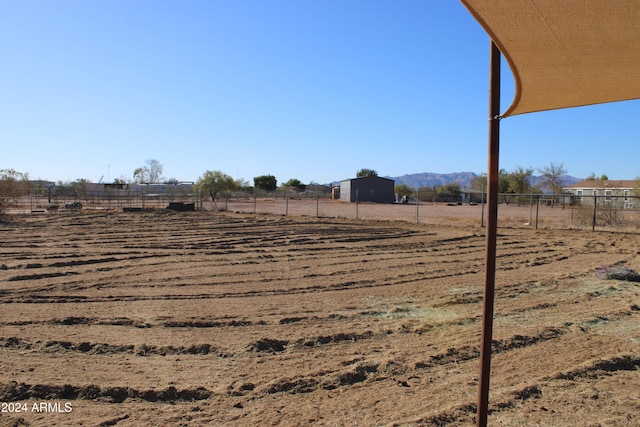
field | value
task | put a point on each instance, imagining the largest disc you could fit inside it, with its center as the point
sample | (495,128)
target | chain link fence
(619,213)
(515,210)
(109,200)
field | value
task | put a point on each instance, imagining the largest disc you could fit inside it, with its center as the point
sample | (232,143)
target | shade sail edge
(505,54)
(565,54)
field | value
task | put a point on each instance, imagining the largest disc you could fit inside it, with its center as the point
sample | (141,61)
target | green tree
(519,183)
(404,190)
(519,180)
(265,182)
(427,194)
(593,177)
(449,192)
(295,183)
(366,172)
(13,185)
(214,183)
(78,188)
(481,183)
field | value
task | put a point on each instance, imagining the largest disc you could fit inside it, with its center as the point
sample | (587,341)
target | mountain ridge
(464,179)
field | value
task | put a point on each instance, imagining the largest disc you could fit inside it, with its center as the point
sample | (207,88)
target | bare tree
(154,168)
(553,177)
(150,173)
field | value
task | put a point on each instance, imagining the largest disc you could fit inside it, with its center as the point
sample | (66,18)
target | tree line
(516,182)
(214,184)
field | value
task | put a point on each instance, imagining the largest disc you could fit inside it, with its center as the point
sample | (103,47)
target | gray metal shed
(368,189)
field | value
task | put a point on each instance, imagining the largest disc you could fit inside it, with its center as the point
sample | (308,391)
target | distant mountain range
(430,179)
(464,179)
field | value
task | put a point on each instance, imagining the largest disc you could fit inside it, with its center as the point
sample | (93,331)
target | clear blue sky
(306,89)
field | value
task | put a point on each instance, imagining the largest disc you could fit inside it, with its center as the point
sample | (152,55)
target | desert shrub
(616,272)
(13,185)
(605,215)
(609,216)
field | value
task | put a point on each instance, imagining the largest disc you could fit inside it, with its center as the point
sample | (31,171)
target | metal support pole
(492,231)
(537,209)
(417,205)
(482,206)
(595,203)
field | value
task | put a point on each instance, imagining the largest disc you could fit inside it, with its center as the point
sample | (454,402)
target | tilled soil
(159,318)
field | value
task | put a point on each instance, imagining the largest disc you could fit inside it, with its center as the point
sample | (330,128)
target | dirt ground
(426,213)
(203,318)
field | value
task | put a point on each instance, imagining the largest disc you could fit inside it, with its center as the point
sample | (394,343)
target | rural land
(221,318)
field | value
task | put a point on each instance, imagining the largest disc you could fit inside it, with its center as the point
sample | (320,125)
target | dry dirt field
(202,318)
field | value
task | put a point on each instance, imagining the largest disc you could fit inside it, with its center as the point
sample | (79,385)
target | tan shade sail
(565,53)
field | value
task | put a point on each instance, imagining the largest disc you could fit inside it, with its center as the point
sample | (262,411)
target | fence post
(418,206)
(317,203)
(571,204)
(537,209)
(482,205)
(286,202)
(595,202)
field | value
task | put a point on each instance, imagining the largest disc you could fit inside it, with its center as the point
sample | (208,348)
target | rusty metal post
(492,231)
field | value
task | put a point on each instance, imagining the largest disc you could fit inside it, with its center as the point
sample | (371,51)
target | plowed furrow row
(14,391)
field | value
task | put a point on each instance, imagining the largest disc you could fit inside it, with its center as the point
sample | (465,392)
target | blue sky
(306,89)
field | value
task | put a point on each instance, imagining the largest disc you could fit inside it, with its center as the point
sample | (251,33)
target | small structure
(181,206)
(368,189)
(614,192)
